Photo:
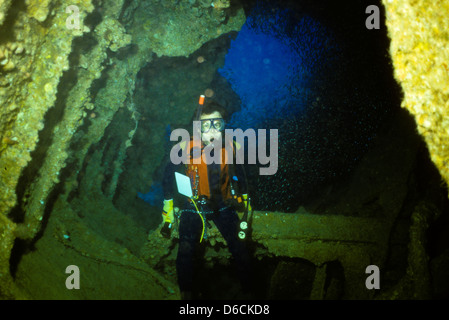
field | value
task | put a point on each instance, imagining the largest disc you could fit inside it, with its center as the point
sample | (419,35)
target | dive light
(166,230)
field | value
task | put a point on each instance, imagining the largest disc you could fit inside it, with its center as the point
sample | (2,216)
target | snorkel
(200,108)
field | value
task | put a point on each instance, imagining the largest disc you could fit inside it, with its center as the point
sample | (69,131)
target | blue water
(154,196)
(270,64)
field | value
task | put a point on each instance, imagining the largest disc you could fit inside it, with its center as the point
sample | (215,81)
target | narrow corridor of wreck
(91,90)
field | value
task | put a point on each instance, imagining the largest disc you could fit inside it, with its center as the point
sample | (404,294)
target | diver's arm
(168,189)
(168,181)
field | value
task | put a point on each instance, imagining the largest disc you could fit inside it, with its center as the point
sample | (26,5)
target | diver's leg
(189,232)
(227,222)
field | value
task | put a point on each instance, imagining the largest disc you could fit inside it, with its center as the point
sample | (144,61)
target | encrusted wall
(33,56)
(419,32)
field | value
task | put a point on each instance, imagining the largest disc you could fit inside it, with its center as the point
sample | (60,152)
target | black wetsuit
(191,226)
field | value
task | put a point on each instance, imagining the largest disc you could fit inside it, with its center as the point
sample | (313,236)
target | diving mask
(217,123)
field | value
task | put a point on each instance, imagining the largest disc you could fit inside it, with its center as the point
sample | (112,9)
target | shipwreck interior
(91,94)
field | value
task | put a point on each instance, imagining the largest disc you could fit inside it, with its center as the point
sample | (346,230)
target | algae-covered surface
(107,270)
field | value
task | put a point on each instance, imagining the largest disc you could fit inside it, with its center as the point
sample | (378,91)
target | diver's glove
(168,218)
(167,212)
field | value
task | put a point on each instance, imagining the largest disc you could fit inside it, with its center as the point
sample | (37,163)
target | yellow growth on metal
(419,32)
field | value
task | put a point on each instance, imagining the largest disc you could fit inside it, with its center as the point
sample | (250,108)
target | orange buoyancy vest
(199,175)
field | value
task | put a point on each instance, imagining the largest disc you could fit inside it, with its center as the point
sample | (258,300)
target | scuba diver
(216,197)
